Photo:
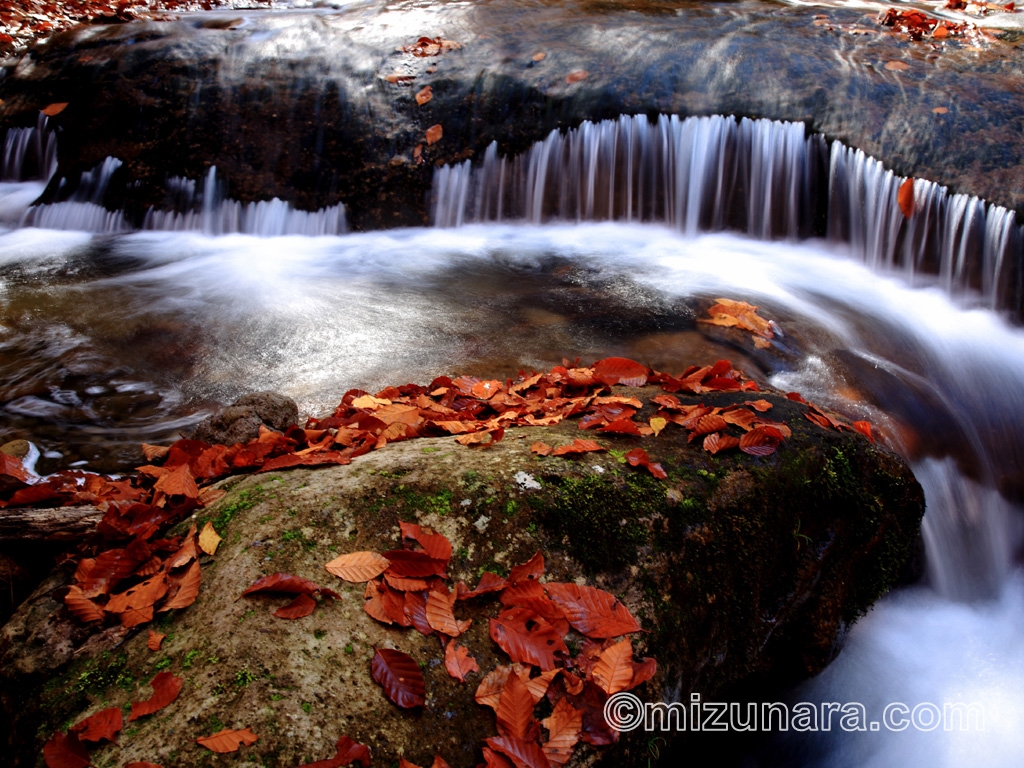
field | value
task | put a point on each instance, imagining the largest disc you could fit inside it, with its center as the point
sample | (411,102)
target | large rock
(240,422)
(318,107)
(737,567)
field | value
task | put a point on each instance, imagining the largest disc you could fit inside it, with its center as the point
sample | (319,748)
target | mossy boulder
(735,565)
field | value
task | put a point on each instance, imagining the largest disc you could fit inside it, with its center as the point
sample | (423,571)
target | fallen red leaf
(155,640)
(577,446)
(532,569)
(103,725)
(905,196)
(458,661)
(638,458)
(621,370)
(515,709)
(358,566)
(761,441)
(65,751)
(166,688)
(434,134)
(864,427)
(228,740)
(400,677)
(288,584)
(716,442)
(524,754)
(187,589)
(564,726)
(347,752)
(81,607)
(302,605)
(591,611)
(440,616)
(527,638)
(541,449)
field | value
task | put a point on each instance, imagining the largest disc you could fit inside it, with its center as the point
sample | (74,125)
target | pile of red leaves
(917,25)
(408,588)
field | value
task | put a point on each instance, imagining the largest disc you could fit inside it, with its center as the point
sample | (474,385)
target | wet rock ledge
(737,567)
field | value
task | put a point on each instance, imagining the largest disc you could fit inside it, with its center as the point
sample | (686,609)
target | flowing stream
(595,243)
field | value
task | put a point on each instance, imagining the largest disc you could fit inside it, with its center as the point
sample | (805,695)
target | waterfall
(763,177)
(31,153)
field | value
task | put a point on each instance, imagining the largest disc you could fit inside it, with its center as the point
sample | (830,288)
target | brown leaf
(209,539)
(613,671)
(905,198)
(424,94)
(539,56)
(434,134)
(166,688)
(400,677)
(358,566)
(897,66)
(152,452)
(488,693)
(81,607)
(458,662)
(576,76)
(288,584)
(761,441)
(54,109)
(155,640)
(302,605)
(532,569)
(620,370)
(483,438)
(188,589)
(103,725)
(140,596)
(592,611)
(440,616)
(346,752)
(515,709)
(717,442)
(527,638)
(133,617)
(65,751)
(409,564)
(638,458)
(228,740)
(864,427)
(541,449)
(577,446)
(524,754)
(178,482)
(563,726)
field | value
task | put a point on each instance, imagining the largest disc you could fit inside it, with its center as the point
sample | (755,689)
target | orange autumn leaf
(228,740)
(613,671)
(576,76)
(358,566)
(188,589)
(346,752)
(81,607)
(541,449)
(178,482)
(105,724)
(458,661)
(488,693)
(864,427)
(155,640)
(152,452)
(434,134)
(564,727)
(65,751)
(209,539)
(301,606)
(54,109)
(515,709)
(424,95)
(905,198)
(591,611)
(166,688)
(440,616)
(577,446)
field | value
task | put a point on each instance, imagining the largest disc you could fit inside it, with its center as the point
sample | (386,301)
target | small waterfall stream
(585,245)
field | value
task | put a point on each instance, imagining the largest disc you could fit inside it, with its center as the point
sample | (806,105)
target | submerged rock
(241,421)
(736,566)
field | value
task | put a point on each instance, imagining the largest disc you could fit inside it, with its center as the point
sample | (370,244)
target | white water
(763,177)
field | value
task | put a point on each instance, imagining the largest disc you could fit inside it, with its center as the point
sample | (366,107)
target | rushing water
(110,338)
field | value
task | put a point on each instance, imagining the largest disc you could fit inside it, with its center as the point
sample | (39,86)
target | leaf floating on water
(940,110)
(577,76)
(427,46)
(54,109)
(424,95)
(539,56)
(897,66)
(905,198)
(400,677)
(228,740)
(434,134)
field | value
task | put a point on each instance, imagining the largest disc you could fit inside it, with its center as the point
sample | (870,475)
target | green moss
(597,517)
(245,500)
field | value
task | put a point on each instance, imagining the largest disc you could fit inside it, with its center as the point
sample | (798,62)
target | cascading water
(762,177)
(182,316)
(30,154)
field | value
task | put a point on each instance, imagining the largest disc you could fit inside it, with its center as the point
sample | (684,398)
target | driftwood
(53,524)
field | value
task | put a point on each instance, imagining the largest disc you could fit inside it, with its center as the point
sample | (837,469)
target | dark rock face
(318,108)
(241,421)
(736,567)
